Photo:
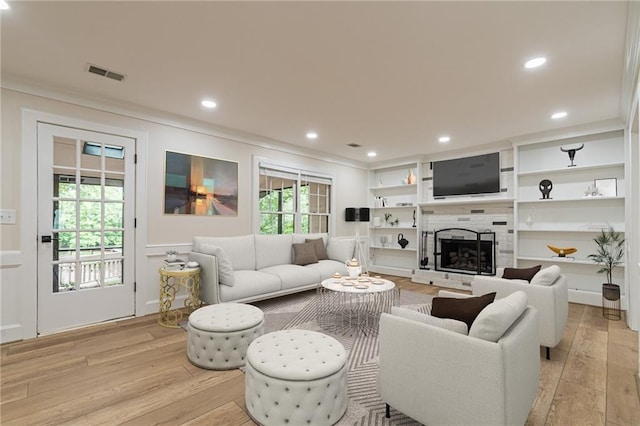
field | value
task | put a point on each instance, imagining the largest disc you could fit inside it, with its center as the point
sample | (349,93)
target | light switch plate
(8,217)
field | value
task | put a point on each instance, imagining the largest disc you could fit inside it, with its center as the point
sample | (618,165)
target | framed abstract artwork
(200,186)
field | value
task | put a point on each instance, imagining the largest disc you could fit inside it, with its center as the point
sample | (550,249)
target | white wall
(163,232)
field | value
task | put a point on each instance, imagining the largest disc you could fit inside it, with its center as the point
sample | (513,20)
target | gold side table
(170,282)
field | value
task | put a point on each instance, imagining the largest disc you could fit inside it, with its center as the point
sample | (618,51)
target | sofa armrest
(209,283)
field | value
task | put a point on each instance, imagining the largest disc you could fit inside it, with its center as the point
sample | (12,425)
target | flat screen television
(467,176)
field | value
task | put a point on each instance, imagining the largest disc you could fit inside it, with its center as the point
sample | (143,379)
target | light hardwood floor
(136,372)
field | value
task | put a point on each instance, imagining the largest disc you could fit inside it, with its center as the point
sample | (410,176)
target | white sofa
(255,267)
(550,297)
(444,377)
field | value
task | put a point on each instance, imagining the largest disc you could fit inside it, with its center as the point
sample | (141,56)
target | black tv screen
(465,176)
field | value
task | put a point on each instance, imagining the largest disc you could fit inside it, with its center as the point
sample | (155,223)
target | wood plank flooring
(136,372)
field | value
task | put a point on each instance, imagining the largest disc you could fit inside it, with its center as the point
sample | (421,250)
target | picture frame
(606,187)
(201,186)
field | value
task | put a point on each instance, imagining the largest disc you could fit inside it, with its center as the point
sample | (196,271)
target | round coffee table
(349,306)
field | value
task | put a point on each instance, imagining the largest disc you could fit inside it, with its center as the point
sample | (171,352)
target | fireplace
(465,251)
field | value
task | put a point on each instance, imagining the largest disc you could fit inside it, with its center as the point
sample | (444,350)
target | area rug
(365,407)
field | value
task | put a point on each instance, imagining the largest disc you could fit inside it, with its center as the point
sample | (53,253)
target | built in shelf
(561,260)
(571,169)
(393,248)
(436,203)
(570,200)
(412,206)
(404,228)
(398,186)
(559,229)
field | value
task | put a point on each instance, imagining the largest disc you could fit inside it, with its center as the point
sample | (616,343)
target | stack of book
(174,264)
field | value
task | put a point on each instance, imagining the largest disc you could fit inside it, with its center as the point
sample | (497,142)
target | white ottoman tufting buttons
(219,335)
(296,377)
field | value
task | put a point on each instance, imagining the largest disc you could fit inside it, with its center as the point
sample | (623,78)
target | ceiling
(389,76)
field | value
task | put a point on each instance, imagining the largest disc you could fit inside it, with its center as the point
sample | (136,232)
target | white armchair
(438,376)
(551,301)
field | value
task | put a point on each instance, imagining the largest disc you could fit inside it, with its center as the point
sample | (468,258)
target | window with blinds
(293,200)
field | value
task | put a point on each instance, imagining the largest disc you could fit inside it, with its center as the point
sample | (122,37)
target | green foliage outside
(281,220)
(90,225)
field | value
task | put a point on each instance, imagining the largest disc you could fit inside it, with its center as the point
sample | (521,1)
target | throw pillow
(304,254)
(446,323)
(494,320)
(546,276)
(321,252)
(225,270)
(520,273)
(341,249)
(465,310)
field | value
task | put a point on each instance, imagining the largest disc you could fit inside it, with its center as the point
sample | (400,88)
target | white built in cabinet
(389,185)
(575,213)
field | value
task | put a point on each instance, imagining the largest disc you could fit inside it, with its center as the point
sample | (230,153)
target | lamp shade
(354,214)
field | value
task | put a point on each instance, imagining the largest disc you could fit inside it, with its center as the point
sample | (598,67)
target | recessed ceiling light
(207,103)
(535,62)
(558,115)
(312,135)
(4,5)
(444,139)
(371,154)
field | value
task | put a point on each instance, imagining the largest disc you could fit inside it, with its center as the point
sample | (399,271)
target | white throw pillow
(446,323)
(496,318)
(341,249)
(546,276)
(225,269)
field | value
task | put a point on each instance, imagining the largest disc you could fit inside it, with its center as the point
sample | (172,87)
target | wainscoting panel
(10,283)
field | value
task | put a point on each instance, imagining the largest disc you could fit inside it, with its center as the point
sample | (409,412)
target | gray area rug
(365,407)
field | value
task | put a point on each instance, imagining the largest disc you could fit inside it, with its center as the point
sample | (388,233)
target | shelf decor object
(545,187)
(606,187)
(572,153)
(562,252)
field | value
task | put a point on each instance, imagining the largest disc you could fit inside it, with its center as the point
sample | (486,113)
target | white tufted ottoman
(296,377)
(219,335)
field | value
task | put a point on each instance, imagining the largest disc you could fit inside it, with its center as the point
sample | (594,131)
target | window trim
(301,173)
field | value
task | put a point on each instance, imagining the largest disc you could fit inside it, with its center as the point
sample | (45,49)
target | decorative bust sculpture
(545,187)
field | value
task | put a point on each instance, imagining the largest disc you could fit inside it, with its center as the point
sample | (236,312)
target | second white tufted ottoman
(219,335)
(296,377)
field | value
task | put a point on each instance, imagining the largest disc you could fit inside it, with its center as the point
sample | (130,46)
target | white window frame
(300,175)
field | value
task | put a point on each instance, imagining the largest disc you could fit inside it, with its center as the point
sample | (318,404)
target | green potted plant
(610,251)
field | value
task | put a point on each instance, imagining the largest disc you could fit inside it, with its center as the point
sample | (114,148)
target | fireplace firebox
(465,251)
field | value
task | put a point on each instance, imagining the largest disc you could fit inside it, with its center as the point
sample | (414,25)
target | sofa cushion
(273,250)
(225,269)
(446,323)
(327,268)
(240,250)
(304,253)
(546,276)
(496,318)
(520,273)
(341,249)
(292,276)
(465,310)
(318,244)
(250,284)
(301,238)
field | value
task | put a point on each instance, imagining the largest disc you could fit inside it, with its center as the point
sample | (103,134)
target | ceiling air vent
(354,145)
(105,72)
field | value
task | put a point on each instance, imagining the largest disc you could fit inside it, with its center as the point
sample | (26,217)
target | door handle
(48,239)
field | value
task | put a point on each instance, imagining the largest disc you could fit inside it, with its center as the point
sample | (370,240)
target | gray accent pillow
(321,251)
(225,270)
(304,254)
(341,249)
(496,318)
